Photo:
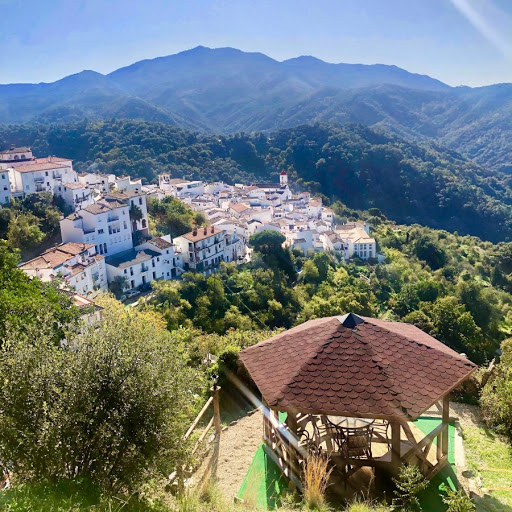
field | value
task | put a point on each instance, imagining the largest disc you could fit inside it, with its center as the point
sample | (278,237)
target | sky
(461,42)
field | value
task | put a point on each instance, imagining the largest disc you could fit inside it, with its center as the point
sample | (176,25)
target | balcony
(112,218)
(144,268)
(39,180)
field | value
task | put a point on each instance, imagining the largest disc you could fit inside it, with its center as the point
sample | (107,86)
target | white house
(76,195)
(153,260)
(106,224)
(137,198)
(14,155)
(81,269)
(5,187)
(41,174)
(204,248)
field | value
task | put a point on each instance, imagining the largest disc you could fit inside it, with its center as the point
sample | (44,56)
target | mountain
(362,167)
(226,90)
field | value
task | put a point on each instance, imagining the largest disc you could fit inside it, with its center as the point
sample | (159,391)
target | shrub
(315,479)
(109,405)
(409,483)
(496,399)
(458,501)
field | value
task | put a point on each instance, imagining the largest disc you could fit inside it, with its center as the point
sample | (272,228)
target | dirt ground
(238,444)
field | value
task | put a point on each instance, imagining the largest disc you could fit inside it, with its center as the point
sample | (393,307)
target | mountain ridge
(226,90)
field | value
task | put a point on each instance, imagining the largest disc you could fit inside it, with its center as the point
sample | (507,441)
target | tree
(267,241)
(428,250)
(496,399)
(23,299)
(24,232)
(118,285)
(111,407)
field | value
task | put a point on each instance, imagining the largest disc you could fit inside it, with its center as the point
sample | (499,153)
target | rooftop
(130,257)
(355,366)
(33,167)
(201,233)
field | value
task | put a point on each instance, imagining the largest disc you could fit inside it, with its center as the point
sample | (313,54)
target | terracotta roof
(75,186)
(56,256)
(15,150)
(160,242)
(239,207)
(50,159)
(104,205)
(353,366)
(201,233)
(40,167)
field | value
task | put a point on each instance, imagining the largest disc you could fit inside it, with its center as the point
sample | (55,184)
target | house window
(140,200)
(100,231)
(105,247)
(46,173)
(125,271)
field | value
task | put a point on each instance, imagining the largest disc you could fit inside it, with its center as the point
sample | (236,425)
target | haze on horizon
(460,42)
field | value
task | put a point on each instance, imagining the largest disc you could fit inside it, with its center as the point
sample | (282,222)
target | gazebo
(351,386)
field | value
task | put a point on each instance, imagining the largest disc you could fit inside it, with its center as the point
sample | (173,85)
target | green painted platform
(264,482)
(431,498)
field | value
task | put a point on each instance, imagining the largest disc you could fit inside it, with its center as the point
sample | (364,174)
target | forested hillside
(226,90)
(359,166)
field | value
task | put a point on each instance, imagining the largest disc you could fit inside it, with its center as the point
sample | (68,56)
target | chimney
(194,233)
(205,230)
(12,146)
(212,229)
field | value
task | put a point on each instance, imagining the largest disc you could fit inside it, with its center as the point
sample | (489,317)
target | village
(106,237)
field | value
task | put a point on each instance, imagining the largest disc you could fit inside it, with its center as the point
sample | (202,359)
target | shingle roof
(372,369)
(160,242)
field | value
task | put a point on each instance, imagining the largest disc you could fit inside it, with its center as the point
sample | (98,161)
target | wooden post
(266,423)
(395,445)
(216,410)
(291,422)
(446,419)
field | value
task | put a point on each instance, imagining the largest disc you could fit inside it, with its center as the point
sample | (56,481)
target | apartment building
(105,224)
(81,269)
(5,187)
(153,260)
(204,248)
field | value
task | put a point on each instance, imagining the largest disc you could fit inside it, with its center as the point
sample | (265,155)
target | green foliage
(409,484)
(111,404)
(496,399)
(23,301)
(361,167)
(458,501)
(173,216)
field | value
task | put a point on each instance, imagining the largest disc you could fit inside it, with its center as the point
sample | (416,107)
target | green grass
(66,496)
(485,449)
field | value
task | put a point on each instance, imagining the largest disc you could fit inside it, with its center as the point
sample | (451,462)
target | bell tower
(283,179)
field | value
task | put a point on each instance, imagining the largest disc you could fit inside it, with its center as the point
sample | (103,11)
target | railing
(213,403)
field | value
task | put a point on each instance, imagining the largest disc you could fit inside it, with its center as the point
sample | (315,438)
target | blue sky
(457,41)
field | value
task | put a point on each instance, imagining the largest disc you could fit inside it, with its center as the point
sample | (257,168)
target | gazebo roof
(355,366)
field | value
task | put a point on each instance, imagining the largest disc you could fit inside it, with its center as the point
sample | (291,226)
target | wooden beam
(216,410)
(395,444)
(198,418)
(446,419)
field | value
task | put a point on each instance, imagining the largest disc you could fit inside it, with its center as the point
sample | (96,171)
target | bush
(496,399)
(409,483)
(458,501)
(110,404)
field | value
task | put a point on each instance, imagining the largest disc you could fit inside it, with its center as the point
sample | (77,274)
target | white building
(106,224)
(14,155)
(204,248)
(81,269)
(76,195)
(40,175)
(153,260)
(5,187)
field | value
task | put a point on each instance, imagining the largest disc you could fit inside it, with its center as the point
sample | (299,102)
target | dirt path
(238,444)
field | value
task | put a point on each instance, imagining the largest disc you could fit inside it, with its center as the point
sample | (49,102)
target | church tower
(283,179)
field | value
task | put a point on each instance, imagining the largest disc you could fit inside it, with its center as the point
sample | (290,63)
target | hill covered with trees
(359,166)
(226,90)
